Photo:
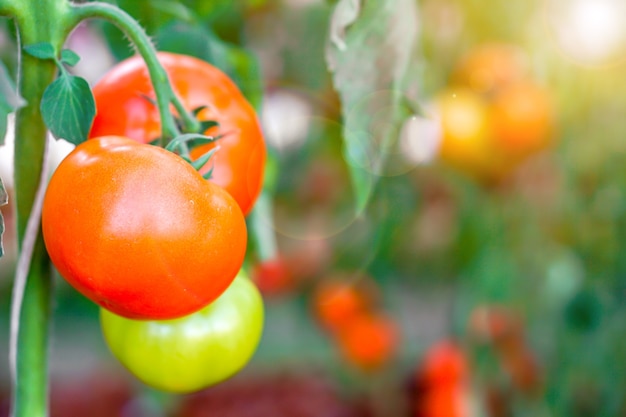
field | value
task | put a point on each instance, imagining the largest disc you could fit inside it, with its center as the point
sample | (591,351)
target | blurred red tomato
(369,341)
(444,402)
(337,301)
(273,277)
(444,364)
(443,382)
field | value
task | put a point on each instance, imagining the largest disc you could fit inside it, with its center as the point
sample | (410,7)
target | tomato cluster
(125,102)
(139,231)
(494,115)
(345,307)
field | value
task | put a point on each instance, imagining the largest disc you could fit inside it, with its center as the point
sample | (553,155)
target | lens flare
(591,32)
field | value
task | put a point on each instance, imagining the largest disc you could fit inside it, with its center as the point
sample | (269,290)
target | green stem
(261,231)
(162,87)
(37,21)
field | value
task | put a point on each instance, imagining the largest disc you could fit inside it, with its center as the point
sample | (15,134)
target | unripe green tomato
(192,352)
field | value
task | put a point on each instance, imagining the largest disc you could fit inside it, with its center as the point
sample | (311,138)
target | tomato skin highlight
(124,101)
(137,230)
(193,352)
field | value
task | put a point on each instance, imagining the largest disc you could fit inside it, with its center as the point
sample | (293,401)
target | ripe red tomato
(191,352)
(137,230)
(124,101)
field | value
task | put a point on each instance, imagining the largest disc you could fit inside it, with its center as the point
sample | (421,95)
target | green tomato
(193,352)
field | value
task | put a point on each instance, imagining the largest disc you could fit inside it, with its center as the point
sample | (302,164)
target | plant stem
(37,21)
(261,231)
(162,87)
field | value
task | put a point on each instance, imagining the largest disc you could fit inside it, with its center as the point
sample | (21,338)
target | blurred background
(487,274)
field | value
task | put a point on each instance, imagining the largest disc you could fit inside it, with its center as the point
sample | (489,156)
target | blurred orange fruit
(522,119)
(273,277)
(467,140)
(491,66)
(369,341)
(444,365)
(337,301)
(444,402)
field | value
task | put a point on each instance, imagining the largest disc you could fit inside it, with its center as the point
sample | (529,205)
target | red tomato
(273,276)
(444,364)
(445,402)
(137,230)
(369,341)
(124,101)
(336,302)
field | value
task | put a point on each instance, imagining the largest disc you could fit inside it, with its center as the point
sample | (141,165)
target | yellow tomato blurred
(493,116)
(467,142)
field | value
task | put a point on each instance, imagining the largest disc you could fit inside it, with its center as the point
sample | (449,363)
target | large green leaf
(9,100)
(371,46)
(4,199)
(68,108)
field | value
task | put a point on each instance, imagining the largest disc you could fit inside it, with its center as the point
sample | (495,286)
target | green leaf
(68,108)
(199,41)
(4,199)
(69,57)
(41,50)
(9,100)
(383,35)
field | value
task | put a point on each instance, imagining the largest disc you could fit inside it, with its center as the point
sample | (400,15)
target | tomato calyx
(239,164)
(183,144)
(202,125)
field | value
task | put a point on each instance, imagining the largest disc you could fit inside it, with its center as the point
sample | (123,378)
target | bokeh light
(591,32)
